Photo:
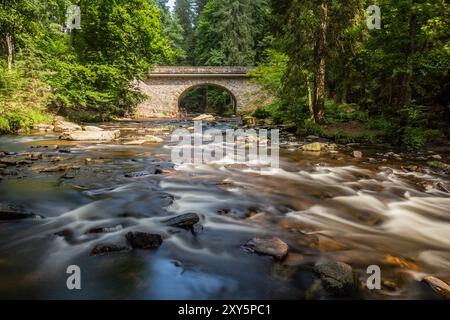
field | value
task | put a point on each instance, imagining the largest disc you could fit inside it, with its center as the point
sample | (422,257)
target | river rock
(60,168)
(135,142)
(205,117)
(65,150)
(137,174)
(312,138)
(92,128)
(436,157)
(14,161)
(65,126)
(43,127)
(271,246)
(185,221)
(249,121)
(153,139)
(90,135)
(357,154)
(32,155)
(142,240)
(439,286)
(107,248)
(105,229)
(337,277)
(15,212)
(318,146)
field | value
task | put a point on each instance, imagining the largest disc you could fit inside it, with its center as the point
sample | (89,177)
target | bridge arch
(165,85)
(207,84)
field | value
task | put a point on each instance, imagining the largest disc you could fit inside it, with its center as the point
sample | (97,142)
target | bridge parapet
(199,71)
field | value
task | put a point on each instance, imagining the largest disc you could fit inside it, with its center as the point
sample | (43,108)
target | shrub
(414,137)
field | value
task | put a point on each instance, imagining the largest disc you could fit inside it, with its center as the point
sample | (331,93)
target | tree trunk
(321,67)
(407,90)
(9,50)
(311,102)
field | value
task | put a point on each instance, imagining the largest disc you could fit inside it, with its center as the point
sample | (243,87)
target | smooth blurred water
(322,206)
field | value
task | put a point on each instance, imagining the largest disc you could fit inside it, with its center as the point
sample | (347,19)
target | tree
(199,6)
(173,31)
(18,17)
(309,37)
(184,14)
(227,32)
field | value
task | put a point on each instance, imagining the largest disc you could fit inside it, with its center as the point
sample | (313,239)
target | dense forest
(331,74)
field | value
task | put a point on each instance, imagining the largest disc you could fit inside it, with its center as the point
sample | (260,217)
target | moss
(439,165)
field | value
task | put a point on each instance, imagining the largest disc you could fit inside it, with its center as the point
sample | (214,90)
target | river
(324,206)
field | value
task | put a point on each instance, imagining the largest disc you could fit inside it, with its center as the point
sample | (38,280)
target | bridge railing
(169,70)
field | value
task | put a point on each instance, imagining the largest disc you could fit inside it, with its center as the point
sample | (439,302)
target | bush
(414,137)
(344,112)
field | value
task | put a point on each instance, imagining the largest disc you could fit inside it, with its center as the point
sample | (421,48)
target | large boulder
(271,246)
(318,146)
(90,135)
(43,127)
(337,277)
(185,221)
(142,240)
(15,212)
(65,126)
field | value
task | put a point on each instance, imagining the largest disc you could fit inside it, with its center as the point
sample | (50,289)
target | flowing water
(324,206)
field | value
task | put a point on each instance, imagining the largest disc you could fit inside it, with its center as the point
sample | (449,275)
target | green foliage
(88,71)
(270,73)
(414,137)
(228,32)
(344,112)
(312,128)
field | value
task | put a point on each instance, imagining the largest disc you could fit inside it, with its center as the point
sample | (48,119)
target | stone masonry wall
(165,86)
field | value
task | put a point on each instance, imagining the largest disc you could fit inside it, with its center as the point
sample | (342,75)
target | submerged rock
(60,168)
(90,135)
(134,142)
(271,246)
(439,286)
(13,160)
(185,221)
(92,128)
(138,174)
(357,154)
(205,117)
(106,248)
(337,277)
(153,139)
(142,240)
(15,212)
(105,229)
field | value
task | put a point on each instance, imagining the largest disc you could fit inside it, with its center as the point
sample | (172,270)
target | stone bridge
(166,85)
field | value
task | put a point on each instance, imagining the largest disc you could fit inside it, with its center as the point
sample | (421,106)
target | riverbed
(373,210)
